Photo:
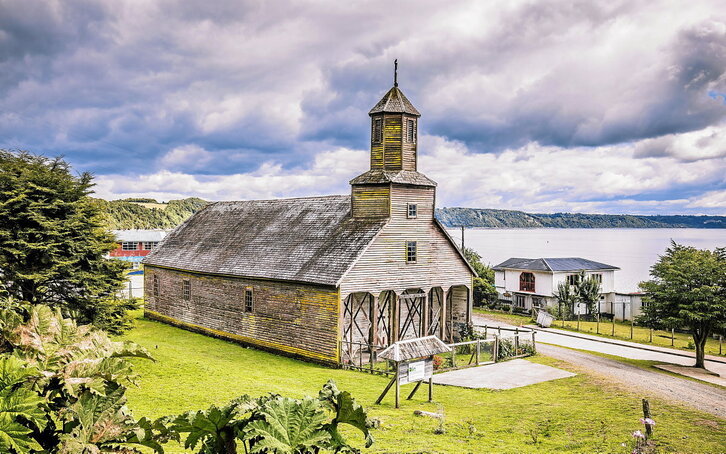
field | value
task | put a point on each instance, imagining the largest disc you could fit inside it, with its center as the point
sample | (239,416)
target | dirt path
(703,397)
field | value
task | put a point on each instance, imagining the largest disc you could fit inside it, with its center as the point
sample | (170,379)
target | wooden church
(311,276)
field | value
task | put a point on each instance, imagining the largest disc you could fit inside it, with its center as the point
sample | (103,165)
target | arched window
(526,282)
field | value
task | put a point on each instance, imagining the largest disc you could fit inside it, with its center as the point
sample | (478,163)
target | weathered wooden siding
(392,138)
(383,265)
(409,148)
(371,201)
(297,319)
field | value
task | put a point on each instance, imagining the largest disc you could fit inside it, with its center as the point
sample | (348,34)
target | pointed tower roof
(394,102)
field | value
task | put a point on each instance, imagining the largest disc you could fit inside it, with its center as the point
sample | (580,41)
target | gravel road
(707,398)
(703,397)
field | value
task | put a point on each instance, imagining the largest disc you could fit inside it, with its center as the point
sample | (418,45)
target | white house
(532,282)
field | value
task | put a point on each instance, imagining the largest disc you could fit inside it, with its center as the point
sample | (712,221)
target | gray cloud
(118,86)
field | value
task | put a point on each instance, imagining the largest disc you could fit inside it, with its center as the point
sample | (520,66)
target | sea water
(634,251)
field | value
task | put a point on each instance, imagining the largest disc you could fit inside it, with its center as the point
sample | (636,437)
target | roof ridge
(331,196)
(546,264)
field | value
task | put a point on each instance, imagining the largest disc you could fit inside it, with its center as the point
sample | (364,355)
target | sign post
(414,360)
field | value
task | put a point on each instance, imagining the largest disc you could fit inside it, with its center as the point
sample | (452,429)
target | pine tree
(53,240)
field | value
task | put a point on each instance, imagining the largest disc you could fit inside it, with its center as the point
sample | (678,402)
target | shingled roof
(419,347)
(394,102)
(311,239)
(402,176)
(554,264)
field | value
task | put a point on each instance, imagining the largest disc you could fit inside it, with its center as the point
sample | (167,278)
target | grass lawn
(505,317)
(578,414)
(622,331)
(640,334)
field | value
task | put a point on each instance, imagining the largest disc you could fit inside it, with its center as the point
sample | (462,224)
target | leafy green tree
(53,238)
(566,299)
(484,290)
(588,292)
(687,289)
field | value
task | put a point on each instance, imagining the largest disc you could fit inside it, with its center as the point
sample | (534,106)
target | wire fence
(477,352)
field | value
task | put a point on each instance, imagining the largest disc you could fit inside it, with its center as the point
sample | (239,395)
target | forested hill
(484,217)
(148,213)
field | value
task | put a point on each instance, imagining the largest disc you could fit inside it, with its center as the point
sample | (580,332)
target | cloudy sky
(609,107)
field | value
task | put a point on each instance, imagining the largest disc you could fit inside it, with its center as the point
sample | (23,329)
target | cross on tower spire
(395,73)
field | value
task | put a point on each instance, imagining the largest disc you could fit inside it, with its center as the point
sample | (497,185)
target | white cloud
(531,178)
(707,143)
(328,174)
(188,157)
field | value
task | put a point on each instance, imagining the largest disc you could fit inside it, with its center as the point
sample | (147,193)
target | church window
(186,290)
(411,131)
(412,211)
(249,302)
(378,130)
(411,251)
(156,285)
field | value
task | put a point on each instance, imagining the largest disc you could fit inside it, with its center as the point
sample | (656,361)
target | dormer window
(378,130)
(411,131)
(412,211)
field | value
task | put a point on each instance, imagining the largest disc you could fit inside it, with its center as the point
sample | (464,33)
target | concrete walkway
(505,375)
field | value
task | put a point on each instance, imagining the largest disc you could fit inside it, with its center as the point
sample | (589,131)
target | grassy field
(578,414)
(641,335)
(504,317)
(622,331)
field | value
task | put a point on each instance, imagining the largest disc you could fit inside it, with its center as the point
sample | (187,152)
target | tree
(484,290)
(53,239)
(687,289)
(566,299)
(588,291)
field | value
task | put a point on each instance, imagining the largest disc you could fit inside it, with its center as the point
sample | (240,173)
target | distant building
(532,282)
(322,277)
(627,305)
(134,245)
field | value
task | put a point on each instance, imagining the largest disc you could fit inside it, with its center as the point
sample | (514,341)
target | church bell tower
(394,155)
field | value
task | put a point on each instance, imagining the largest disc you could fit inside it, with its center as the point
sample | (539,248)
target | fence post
(650,332)
(632,322)
(496,348)
(673,336)
(486,327)
(477,351)
(499,330)
(371,354)
(578,322)
(516,344)
(597,322)
(720,342)
(534,344)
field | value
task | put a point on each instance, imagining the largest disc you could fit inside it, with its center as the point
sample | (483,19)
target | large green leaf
(347,411)
(289,426)
(14,436)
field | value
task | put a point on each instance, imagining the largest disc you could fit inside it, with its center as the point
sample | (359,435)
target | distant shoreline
(511,219)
